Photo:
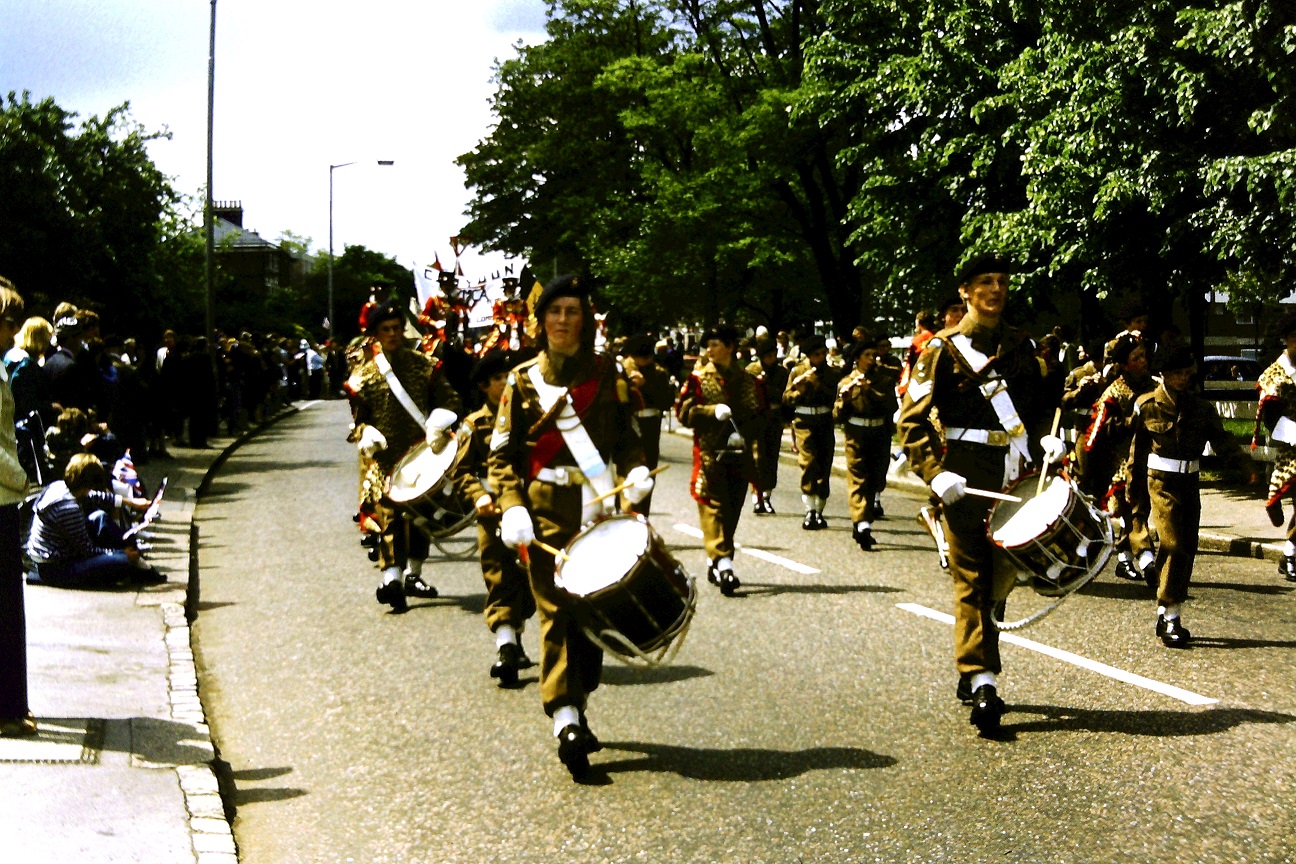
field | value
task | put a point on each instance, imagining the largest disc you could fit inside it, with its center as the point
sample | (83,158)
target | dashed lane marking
(1076,660)
(311,404)
(794,566)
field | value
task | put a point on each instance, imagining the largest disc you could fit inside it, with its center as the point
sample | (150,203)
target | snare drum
(1058,535)
(420,485)
(629,594)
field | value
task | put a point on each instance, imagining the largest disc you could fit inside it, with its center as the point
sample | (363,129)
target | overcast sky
(299,86)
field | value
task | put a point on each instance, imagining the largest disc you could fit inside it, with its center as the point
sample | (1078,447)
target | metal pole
(209,228)
(330,256)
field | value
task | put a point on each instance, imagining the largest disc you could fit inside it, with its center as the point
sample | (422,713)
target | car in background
(1217,368)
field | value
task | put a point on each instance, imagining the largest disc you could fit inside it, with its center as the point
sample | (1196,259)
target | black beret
(985,262)
(384,311)
(1286,325)
(568,285)
(1173,356)
(812,343)
(1131,308)
(726,333)
(853,351)
(490,364)
(1120,349)
(764,345)
(958,301)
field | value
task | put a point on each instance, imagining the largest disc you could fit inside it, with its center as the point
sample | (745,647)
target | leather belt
(649,412)
(806,411)
(990,437)
(563,475)
(1173,466)
(866,421)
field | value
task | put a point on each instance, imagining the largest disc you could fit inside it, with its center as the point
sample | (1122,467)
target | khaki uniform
(570,665)
(374,404)
(944,382)
(864,407)
(812,424)
(721,473)
(656,396)
(1175,427)
(1277,388)
(508,591)
(771,381)
(1107,443)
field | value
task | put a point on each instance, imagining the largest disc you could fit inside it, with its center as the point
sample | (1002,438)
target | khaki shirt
(868,396)
(474,449)
(521,421)
(1178,426)
(821,393)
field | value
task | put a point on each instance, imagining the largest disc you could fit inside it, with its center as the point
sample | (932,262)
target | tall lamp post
(209,242)
(332,168)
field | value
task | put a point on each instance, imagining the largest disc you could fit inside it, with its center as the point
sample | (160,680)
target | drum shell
(431,498)
(1054,555)
(648,605)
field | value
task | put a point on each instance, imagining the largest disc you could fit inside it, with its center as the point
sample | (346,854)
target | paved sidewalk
(121,768)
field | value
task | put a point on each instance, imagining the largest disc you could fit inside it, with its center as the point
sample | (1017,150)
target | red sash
(551,442)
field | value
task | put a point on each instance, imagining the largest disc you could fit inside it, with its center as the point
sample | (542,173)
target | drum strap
(995,390)
(578,441)
(398,390)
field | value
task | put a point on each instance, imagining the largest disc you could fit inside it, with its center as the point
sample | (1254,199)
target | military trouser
(1282,484)
(508,591)
(868,455)
(719,513)
(1134,536)
(983,574)
(815,442)
(650,437)
(400,541)
(570,665)
(768,444)
(1175,501)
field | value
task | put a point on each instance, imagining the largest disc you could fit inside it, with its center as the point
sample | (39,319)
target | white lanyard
(995,390)
(397,389)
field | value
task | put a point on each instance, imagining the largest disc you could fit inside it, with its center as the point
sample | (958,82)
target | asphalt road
(809,719)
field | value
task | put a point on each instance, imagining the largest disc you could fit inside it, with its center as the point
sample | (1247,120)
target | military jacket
(374,404)
(521,422)
(656,391)
(771,381)
(1178,427)
(821,393)
(944,382)
(1111,429)
(868,396)
(470,469)
(708,385)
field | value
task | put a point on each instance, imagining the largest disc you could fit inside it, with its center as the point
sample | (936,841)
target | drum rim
(447,453)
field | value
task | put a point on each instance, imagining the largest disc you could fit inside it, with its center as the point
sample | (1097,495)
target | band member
(655,395)
(889,368)
(719,402)
(1107,445)
(1171,428)
(865,404)
(771,380)
(811,390)
(565,417)
(399,397)
(1277,411)
(983,379)
(1084,386)
(508,592)
(509,315)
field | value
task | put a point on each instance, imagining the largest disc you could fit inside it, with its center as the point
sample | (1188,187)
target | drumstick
(986,493)
(557,553)
(1057,418)
(624,486)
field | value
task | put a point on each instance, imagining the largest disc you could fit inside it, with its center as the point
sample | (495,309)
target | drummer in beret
(809,396)
(1172,426)
(771,380)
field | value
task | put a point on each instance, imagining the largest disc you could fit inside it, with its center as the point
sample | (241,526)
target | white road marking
(795,566)
(310,404)
(1076,660)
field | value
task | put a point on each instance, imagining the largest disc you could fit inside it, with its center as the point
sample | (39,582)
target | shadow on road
(262,466)
(746,765)
(1272,590)
(1055,718)
(759,589)
(1200,641)
(619,675)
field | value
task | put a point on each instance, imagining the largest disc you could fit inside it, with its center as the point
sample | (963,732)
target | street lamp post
(209,228)
(384,162)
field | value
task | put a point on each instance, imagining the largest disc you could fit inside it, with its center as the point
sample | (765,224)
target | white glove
(735,441)
(438,422)
(371,441)
(640,484)
(949,487)
(516,528)
(1054,448)
(723,412)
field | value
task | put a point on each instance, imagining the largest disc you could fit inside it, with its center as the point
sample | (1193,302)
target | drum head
(602,554)
(1012,524)
(420,471)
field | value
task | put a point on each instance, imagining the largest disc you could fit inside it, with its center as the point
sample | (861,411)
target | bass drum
(629,594)
(1057,535)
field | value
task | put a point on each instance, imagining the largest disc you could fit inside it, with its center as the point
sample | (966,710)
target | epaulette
(934,342)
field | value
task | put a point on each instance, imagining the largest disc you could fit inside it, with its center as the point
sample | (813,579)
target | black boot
(987,708)
(575,743)
(416,587)
(864,537)
(393,594)
(728,583)
(1287,568)
(507,662)
(1172,633)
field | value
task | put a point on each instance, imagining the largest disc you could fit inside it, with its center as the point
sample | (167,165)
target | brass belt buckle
(997,438)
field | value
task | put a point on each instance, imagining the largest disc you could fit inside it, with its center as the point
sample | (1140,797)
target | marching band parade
(551,449)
